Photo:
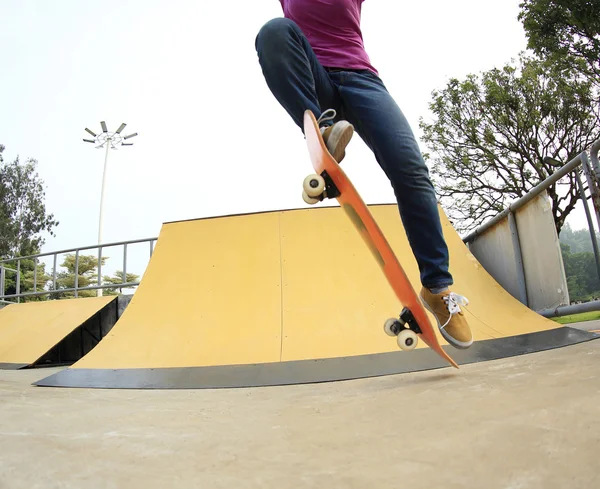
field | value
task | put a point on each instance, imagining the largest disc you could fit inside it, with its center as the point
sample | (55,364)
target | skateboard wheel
(309,200)
(314,185)
(407,340)
(392,327)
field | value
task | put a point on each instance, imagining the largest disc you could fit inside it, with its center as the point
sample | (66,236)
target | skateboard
(330,181)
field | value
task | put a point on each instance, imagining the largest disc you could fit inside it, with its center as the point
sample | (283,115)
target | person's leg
(298,81)
(384,128)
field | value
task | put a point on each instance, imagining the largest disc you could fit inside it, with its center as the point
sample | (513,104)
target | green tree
(23,215)
(491,134)
(576,288)
(578,241)
(565,32)
(23,219)
(116,279)
(86,274)
(582,277)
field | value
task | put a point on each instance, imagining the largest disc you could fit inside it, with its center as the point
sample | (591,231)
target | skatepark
(302,314)
(194,323)
(277,373)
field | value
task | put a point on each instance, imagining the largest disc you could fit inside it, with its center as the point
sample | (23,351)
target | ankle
(438,290)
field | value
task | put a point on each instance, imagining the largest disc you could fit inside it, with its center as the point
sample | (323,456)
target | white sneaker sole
(340,137)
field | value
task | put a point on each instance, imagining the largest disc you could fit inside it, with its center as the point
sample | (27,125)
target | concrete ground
(525,422)
(593,325)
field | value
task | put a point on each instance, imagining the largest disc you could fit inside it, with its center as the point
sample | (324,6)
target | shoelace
(324,118)
(453,302)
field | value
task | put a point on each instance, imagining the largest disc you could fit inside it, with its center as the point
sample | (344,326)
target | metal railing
(76,289)
(594,151)
(3,271)
(591,169)
(534,192)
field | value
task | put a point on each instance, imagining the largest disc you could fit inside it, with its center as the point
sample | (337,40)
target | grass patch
(578,318)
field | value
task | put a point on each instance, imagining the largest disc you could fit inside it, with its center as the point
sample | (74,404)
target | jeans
(299,82)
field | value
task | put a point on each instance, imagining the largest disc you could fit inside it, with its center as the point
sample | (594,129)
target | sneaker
(336,136)
(445,306)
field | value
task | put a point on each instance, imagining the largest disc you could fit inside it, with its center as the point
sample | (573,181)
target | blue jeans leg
(299,82)
(292,70)
(381,124)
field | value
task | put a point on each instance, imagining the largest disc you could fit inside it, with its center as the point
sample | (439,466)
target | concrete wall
(542,258)
(546,282)
(495,251)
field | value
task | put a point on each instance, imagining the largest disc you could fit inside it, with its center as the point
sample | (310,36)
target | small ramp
(287,297)
(28,331)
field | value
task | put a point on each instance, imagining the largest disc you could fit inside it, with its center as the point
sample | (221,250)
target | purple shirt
(332,28)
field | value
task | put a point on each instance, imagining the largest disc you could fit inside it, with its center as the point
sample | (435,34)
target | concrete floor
(593,325)
(526,422)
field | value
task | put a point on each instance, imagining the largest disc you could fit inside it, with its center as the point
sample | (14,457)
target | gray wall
(545,279)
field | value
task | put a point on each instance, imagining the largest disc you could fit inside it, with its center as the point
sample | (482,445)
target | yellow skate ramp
(285,297)
(29,330)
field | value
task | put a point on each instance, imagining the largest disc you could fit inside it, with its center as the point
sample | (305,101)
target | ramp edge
(12,366)
(312,371)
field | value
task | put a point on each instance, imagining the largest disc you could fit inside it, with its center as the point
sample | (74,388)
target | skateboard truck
(317,188)
(405,328)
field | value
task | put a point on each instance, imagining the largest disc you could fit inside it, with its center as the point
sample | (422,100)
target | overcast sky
(185,76)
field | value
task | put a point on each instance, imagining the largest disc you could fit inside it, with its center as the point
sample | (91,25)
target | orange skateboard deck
(330,181)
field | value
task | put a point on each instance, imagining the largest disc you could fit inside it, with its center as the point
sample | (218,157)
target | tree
(491,135)
(116,279)
(23,218)
(565,32)
(578,241)
(87,275)
(582,277)
(23,214)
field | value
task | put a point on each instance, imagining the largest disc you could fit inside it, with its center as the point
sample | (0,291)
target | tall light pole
(110,140)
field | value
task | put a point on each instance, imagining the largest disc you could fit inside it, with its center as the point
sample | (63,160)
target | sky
(184,75)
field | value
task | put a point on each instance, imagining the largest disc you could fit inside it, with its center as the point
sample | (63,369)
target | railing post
(124,263)
(76,273)
(18,291)
(592,182)
(99,292)
(594,150)
(588,216)
(54,273)
(2,281)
